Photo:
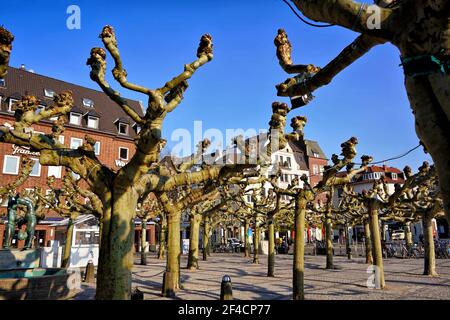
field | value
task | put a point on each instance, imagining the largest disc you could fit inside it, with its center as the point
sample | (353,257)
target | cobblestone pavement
(404,279)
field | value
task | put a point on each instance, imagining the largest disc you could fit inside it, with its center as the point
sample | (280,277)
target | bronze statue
(30,217)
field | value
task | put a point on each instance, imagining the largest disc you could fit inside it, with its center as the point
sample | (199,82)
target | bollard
(89,275)
(137,294)
(226,289)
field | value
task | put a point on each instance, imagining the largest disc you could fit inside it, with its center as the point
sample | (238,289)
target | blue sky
(237,88)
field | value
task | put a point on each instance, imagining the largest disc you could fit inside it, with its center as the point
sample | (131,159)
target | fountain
(21,278)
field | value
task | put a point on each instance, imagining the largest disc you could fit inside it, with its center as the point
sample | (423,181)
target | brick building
(93,114)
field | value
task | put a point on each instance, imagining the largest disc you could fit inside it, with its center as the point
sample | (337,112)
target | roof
(299,155)
(21,82)
(313,147)
(383,169)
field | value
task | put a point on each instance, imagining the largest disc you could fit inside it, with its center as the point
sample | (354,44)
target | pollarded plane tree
(6,39)
(353,210)
(118,191)
(377,200)
(305,194)
(148,210)
(327,213)
(421,31)
(176,200)
(422,203)
(267,212)
(71,201)
(26,168)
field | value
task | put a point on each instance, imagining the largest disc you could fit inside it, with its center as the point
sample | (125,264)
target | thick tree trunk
(368,242)
(271,256)
(377,249)
(298,281)
(162,240)
(256,244)
(430,105)
(408,236)
(329,240)
(430,256)
(348,248)
(195,221)
(68,245)
(246,239)
(172,273)
(117,250)
(143,242)
(206,231)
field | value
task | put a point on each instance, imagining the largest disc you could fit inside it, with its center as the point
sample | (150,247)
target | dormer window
(92,122)
(316,155)
(75,118)
(123,128)
(88,103)
(49,93)
(137,128)
(394,176)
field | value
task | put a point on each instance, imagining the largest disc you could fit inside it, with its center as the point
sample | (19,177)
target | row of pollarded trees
(425,62)
(118,192)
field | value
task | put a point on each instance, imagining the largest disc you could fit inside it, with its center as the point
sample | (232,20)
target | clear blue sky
(236,89)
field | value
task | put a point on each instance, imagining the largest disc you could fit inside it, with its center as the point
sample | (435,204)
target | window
(11,103)
(123,153)
(2,82)
(249,198)
(49,93)
(281,160)
(315,169)
(316,155)
(92,122)
(61,139)
(36,171)
(97,148)
(123,128)
(394,176)
(54,171)
(377,175)
(88,103)
(11,165)
(288,159)
(75,118)
(75,143)
(321,170)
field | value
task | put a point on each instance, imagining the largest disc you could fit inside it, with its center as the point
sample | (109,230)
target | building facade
(93,114)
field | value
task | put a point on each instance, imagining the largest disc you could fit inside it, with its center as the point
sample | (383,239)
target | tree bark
(408,236)
(206,231)
(68,245)
(143,242)
(377,249)
(172,273)
(195,221)
(329,240)
(430,256)
(117,250)
(298,281)
(271,255)
(162,240)
(368,242)
(348,248)
(246,239)
(256,244)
